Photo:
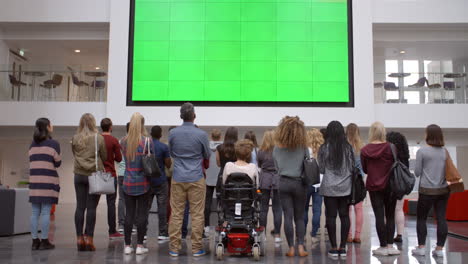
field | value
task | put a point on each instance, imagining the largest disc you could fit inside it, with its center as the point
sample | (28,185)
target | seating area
(15,208)
(452,90)
(67,84)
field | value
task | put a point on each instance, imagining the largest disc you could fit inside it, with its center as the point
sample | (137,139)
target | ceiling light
(77,51)
(97,68)
(402,52)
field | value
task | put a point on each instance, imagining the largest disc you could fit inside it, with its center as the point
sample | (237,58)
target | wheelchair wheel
(256,252)
(219,252)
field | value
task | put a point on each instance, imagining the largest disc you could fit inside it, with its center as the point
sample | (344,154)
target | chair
(78,82)
(14,82)
(390,86)
(420,83)
(99,85)
(52,84)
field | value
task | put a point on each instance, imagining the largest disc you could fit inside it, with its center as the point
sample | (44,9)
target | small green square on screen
(240,51)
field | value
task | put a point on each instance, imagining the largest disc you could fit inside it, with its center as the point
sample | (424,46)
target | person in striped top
(44,188)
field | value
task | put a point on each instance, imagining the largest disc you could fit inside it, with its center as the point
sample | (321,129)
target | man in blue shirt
(188,146)
(159,186)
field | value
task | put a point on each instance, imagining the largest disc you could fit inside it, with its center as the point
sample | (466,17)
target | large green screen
(240,51)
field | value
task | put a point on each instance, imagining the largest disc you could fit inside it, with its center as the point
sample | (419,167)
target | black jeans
(337,206)
(208,201)
(425,202)
(110,198)
(276,207)
(293,196)
(136,207)
(161,193)
(383,204)
(121,202)
(85,203)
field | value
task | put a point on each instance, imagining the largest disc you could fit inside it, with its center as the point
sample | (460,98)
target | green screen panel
(240,51)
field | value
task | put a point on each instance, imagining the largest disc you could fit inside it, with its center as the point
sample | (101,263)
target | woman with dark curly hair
(399,140)
(288,155)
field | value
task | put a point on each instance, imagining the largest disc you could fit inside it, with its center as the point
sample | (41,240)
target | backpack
(358,188)
(401,179)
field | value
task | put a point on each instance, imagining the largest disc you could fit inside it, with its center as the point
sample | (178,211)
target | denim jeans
(40,211)
(161,198)
(110,198)
(121,202)
(185,222)
(317,200)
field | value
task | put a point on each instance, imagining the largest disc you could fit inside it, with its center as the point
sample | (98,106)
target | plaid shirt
(135,182)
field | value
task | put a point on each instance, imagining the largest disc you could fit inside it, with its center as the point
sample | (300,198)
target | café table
(34,75)
(95,75)
(401,83)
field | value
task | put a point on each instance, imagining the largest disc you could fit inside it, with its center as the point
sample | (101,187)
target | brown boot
(80,243)
(89,243)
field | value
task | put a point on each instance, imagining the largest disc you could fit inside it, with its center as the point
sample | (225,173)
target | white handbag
(100,182)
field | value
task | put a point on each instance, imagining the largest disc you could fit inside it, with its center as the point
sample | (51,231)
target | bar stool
(99,86)
(14,82)
(51,85)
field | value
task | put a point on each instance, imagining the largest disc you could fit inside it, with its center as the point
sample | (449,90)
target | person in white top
(243,150)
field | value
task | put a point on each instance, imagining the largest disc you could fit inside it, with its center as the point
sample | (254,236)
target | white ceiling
(435,50)
(62,52)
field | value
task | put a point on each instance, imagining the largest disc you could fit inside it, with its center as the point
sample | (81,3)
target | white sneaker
(128,250)
(163,238)
(278,239)
(419,251)
(314,239)
(207,229)
(141,250)
(393,251)
(381,251)
(438,253)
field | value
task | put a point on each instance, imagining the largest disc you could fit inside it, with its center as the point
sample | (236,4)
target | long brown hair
(434,136)
(315,139)
(354,137)
(86,128)
(291,133)
(268,142)
(135,132)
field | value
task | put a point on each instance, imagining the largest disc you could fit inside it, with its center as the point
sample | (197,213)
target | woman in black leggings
(86,162)
(336,163)
(288,155)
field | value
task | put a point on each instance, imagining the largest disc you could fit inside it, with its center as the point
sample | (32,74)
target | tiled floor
(17,249)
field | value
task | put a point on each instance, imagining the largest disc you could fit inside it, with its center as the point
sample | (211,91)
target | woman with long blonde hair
(354,138)
(269,182)
(315,140)
(377,160)
(288,155)
(136,185)
(84,149)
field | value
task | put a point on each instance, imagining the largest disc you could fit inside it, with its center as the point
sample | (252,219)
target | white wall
(247,116)
(60,113)
(54,11)
(420,11)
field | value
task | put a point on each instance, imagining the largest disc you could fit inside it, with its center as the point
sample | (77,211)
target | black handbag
(149,162)
(310,173)
(358,188)
(401,179)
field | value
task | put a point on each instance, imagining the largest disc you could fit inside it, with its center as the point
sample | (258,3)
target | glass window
(412,67)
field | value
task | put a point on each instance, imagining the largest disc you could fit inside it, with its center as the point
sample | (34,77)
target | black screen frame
(349,104)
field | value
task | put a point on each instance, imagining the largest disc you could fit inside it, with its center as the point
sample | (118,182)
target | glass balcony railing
(74,83)
(421,88)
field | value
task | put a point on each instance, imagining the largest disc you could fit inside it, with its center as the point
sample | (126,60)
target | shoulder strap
(393,148)
(96,150)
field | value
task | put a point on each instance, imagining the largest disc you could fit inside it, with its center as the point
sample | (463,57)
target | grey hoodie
(213,170)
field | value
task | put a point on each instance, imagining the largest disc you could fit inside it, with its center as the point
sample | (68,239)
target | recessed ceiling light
(77,51)
(402,52)
(97,68)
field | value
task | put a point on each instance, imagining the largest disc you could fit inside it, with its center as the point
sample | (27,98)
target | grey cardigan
(336,182)
(430,166)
